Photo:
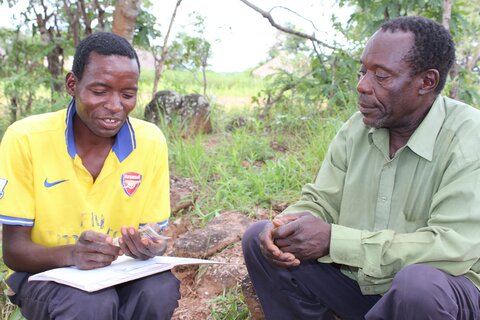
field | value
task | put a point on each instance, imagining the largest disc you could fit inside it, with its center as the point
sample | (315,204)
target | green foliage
(288,43)
(146,29)
(25,80)
(191,51)
(188,52)
(229,306)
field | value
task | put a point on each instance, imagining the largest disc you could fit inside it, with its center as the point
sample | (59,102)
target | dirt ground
(200,284)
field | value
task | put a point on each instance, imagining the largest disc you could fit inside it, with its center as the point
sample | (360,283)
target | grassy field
(259,164)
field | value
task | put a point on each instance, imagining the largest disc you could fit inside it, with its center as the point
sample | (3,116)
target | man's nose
(114,104)
(364,85)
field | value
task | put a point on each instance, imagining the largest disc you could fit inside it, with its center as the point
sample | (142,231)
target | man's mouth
(110,123)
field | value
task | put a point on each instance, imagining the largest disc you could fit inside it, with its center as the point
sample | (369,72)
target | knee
(426,281)
(250,237)
(164,292)
(101,304)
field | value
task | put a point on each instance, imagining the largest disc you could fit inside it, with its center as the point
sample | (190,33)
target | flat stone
(219,233)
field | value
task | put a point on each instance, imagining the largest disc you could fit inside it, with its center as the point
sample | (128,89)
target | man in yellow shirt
(73,180)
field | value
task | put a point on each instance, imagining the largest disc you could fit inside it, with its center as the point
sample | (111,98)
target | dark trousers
(153,297)
(318,291)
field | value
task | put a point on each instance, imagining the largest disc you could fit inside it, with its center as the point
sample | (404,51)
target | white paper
(121,270)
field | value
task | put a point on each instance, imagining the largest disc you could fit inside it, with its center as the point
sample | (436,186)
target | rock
(165,103)
(251,299)
(190,112)
(219,233)
(197,112)
(214,279)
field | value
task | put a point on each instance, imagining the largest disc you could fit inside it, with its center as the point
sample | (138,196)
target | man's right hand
(271,252)
(94,250)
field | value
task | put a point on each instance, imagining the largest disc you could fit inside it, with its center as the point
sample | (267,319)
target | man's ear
(430,80)
(70,83)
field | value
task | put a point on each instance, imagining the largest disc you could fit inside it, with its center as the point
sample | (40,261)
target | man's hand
(94,250)
(272,253)
(134,246)
(303,235)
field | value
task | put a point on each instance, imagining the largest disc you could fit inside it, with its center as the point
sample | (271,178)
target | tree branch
(295,13)
(270,19)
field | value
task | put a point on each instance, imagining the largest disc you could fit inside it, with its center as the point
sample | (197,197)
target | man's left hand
(134,246)
(305,236)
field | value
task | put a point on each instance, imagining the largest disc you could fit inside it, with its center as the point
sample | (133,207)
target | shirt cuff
(345,246)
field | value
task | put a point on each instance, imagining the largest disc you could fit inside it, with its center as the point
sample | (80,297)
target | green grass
(242,170)
(229,306)
(218,84)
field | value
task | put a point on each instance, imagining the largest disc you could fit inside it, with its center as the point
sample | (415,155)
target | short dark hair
(433,46)
(104,43)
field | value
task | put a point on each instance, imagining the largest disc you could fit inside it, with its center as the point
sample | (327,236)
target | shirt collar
(124,143)
(422,141)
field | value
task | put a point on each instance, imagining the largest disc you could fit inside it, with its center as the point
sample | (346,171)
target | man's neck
(92,149)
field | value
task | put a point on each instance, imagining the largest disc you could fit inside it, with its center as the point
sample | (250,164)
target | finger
(155,248)
(281,220)
(89,260)
(287,264)
(133,243)
(125,242)
(266,242)
(93,236)
(285,260)
(285,230)
(93,265)
(95,247)
(124,248)
(278,255)
(284,244)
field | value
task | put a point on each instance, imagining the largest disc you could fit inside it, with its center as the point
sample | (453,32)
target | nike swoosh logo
(51,184)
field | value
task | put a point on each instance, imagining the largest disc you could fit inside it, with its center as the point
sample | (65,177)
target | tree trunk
(73,21)
(55,56)
(124,18)
(447,13)
(86,19)
(100,15)
(204,69)
(160,62)
(446,17)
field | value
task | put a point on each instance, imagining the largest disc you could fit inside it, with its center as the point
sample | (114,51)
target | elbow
(9,258)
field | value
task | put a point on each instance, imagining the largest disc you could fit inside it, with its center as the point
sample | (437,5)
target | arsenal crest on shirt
(130,182)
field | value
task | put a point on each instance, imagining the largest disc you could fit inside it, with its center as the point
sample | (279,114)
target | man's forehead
(96,60)
(388,45)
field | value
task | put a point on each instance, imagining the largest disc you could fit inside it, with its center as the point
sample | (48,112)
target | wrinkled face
(106,94)
(388,93)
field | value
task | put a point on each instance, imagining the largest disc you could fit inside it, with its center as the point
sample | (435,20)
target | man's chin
(106,133)
(372,123)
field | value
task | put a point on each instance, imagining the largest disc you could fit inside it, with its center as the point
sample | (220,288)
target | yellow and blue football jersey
(44,185)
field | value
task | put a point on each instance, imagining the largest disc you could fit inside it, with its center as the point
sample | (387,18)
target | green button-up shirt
(422,206)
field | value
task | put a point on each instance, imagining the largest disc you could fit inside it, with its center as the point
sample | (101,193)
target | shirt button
(383,199)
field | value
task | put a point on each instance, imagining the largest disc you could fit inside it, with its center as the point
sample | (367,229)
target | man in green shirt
(391,227)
